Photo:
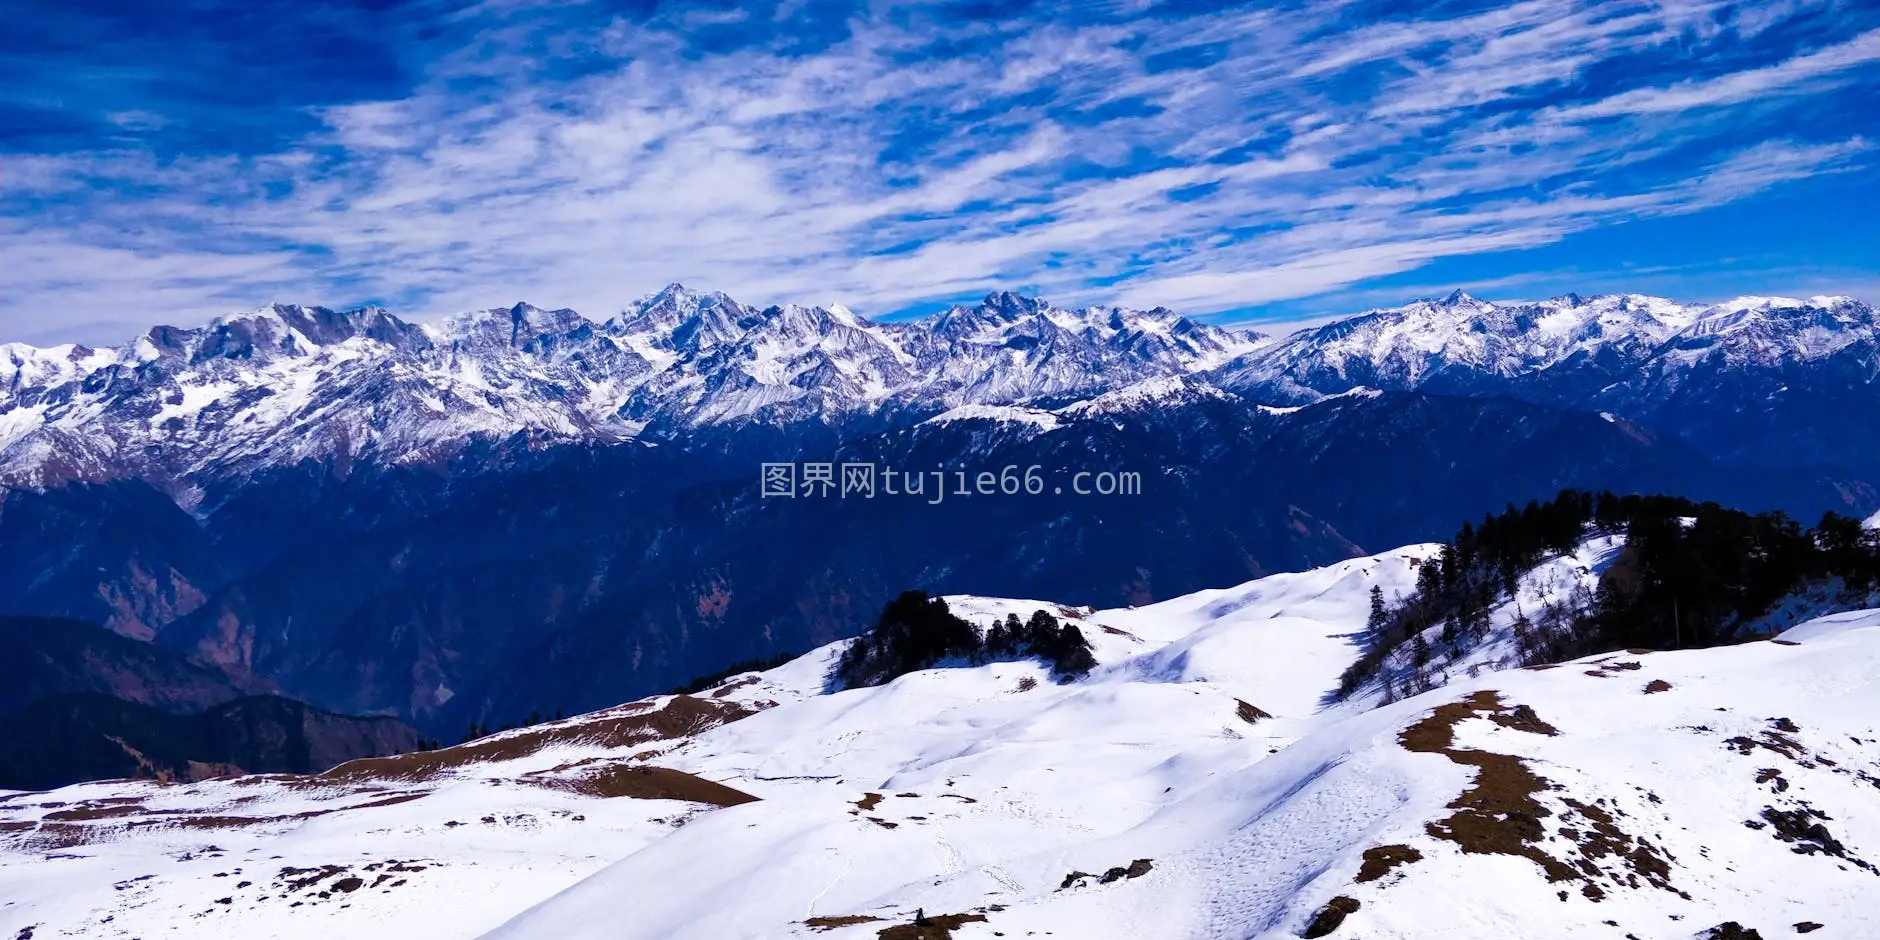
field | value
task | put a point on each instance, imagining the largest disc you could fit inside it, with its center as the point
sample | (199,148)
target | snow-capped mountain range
(288,383)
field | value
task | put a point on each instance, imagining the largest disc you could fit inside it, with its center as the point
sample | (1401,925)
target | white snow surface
(1203,743)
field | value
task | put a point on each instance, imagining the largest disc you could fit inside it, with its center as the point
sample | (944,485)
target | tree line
(918,632)
(1690,575)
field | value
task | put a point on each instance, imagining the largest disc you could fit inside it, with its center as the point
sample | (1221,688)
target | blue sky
(168,162)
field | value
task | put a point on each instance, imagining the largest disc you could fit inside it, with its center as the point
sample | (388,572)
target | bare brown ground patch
(1500,814)
(1523,718)
(1135,869)
(1497,814)
(627,726)
(1657,685)
(845,920)
(1249,713)
(1330,916)
(51,837)
(935,927)
(1608,670)
(641,782)
(87,812)
(85,824)
(735,685)
(1804,828)
(1379,860)
(1730,930)
(1778,739)
(1640,862)
(868,802)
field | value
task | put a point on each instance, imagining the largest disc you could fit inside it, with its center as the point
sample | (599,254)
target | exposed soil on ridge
(1499,814)
(1249,713)
(629,725)
(641,782)
(934,927)
(1380,860)
(1330,916)
(844,920)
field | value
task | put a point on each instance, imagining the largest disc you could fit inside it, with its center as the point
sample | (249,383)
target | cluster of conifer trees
(1690,575)
(919,632)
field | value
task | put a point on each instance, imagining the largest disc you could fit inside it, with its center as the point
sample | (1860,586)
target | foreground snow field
(1196,785)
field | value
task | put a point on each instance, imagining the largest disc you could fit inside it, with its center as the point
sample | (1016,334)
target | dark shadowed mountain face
(86,736)
(42,657)
(120,554)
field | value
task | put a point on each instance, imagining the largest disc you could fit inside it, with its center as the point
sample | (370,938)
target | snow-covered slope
(1195,785)
(433,844)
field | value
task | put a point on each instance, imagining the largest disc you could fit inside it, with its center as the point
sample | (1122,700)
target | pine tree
(1073,659)
(1380,616)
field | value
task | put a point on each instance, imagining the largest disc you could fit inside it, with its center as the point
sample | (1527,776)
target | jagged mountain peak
(677,300)
(678,318)
(1013,305)
(277,330)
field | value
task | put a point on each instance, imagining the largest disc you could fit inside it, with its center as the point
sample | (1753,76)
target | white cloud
(1046,154)
(1737,87)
